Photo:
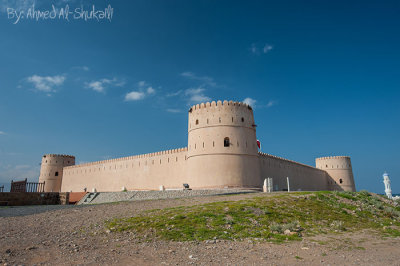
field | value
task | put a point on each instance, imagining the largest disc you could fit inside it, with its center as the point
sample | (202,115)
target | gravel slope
(75,235)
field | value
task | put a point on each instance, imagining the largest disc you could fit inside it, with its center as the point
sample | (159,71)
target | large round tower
(340,171)
(51,170)
(222,146)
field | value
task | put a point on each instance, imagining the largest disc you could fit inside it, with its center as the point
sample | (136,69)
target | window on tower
(226,142)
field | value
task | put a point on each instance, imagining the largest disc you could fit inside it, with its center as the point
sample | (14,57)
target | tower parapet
(339,169)
(51,170)
(222,146)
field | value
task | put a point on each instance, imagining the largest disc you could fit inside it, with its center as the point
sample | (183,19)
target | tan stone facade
(221,153)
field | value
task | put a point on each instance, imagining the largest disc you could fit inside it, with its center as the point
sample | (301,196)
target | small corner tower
(51,170)
(222,146)
(339,170)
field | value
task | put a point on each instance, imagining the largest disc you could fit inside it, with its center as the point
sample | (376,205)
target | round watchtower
(339,170)
(222,146)
(51,170)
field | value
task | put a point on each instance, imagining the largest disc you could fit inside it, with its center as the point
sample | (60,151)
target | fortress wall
(141,172)
(301,177)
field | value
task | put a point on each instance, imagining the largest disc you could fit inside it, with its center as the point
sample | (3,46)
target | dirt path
(77,236)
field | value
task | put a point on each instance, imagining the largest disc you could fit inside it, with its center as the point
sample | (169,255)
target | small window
(242,119)
(203,144)
(226,142)
(232,119)
(213,143)
(207,120)
(56,173)
(220,119)
(340,181)
(197,121)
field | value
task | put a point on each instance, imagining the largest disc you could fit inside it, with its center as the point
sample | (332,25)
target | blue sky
(323,77)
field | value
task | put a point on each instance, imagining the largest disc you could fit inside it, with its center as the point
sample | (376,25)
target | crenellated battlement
(284,159)
(140,156)
(332,157)
(58,155)
(221,104)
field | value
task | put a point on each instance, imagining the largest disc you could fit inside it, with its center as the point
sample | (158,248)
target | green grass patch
(275,218)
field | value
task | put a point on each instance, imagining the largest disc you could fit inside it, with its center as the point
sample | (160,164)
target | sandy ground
(40,235)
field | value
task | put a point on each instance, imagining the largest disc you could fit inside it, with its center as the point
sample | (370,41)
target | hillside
(279,217)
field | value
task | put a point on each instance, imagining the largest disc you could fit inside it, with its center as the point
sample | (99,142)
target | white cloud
(83,68)
(254,48)
(142,84)
(2,133)
(193,91)
(258,49)
(173,110)
(141,93)
(172,94)
(206,80)
(267,48)
(199,99)
(96,86)
(196,95)
(102,84)
(250,102)
(134,96)
(46,83)
(150,90)
(270,104)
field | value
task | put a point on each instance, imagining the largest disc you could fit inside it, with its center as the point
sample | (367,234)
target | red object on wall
(259,144)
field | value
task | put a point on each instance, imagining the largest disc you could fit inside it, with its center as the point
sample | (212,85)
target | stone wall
(35,198)
(141,172)
(301,177)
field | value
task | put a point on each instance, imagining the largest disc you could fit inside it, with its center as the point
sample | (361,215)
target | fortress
(222,153)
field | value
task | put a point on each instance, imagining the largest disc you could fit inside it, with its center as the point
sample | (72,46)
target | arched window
(340,181)
(242,119)
(226,142)
(197,121)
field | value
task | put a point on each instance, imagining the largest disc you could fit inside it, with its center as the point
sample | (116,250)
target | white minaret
(388,189)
